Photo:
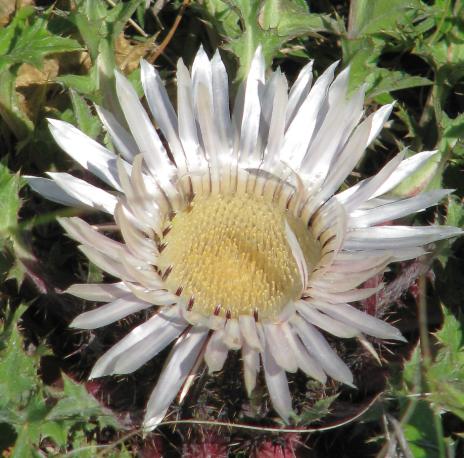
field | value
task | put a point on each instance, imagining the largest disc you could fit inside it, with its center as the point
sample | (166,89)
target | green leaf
(423,431)
(318,411)
(455,213)
(446,375)
(29,41)
(84,84)
(367,16)
(9,199)
(246,24)
(78,404)
(86,121)
(382,80)
(10,110)
(13,360)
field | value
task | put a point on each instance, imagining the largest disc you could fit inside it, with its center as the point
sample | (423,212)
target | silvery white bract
(232,229)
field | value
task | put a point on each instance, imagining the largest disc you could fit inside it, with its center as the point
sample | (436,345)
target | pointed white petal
(148,348)
(249,154)
(106,263)
(250,367)
(321,350)
(277,123)
(165,317)
(406,168)
(216,351)
(334,327)
(353,197)
(180,362)
(99,292)
(143,131)
(277,385)
(306,363)
(87,152)
(391,237)
(220,85)
(352,295)
(363,321)
(207,122)
(249,332)
(379,119)
(280,348)
(232,337)
(68,190)
(299,91)
(396,209)
(301,129)
(162,111)
(51,191)
(120,138)
(187,128)
(154,296)
(84,233)
(109,313)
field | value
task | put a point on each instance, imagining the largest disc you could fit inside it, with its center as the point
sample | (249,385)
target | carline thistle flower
(232,228)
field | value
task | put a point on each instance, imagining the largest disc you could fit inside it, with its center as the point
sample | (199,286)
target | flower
(231,227)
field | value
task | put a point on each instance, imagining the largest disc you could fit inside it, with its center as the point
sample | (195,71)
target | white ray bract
(168,317)
(98,292)
(68,190)
(87,152)
(179,364)
(279,346)
(216,351)
(396,209)
(363,321)
(84,233)
(250,367)
(321,350)
(162,111)
(51,191)
(324,322)
(109,313)
(121,139)
(143,131)
(276,380)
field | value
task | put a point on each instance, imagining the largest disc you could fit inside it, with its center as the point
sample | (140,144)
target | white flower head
(232,229)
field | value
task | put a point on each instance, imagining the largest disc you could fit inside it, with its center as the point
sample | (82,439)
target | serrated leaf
(57,431)
(318,411)
(10,110)
(423,433)
(455,213)
(367,17)
(84,84)
(383,80)
(86,121)
(9,199)
(245,24)
(15,390)
(78,404)
(32,41)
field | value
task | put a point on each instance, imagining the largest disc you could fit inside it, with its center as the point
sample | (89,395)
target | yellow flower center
(231,252)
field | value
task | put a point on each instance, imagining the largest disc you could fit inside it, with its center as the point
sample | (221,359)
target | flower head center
(231,251)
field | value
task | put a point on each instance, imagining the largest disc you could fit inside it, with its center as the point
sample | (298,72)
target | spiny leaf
(9,200)
(32,41)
